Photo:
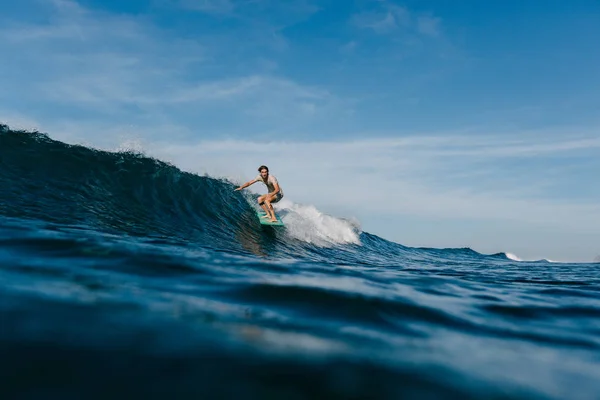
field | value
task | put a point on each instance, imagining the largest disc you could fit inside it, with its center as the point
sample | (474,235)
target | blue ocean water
(122,276)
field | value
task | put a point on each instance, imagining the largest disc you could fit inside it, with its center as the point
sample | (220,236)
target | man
(273,196)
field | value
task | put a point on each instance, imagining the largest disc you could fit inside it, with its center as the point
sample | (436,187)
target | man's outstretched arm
(245,185)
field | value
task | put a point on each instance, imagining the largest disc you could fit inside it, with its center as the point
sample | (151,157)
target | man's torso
(270,182)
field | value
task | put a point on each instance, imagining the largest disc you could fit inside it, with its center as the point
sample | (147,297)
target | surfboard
(265,221)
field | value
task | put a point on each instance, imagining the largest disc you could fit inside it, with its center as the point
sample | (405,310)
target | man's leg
(261,202)
(268,200)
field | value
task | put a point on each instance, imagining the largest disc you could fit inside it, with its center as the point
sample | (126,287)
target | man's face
(264,173)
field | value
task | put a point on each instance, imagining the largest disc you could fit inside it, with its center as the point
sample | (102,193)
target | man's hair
(263,167)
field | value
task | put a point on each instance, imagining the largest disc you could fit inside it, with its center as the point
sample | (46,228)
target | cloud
(379,23)
(388,18)
(383,21)
(92,67)
(239,87)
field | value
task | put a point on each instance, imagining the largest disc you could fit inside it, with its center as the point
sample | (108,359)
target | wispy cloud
(388,18)
(395,34)
(379,22)
(122,68)
(416,158)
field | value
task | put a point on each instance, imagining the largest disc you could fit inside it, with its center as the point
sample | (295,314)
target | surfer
(273,196)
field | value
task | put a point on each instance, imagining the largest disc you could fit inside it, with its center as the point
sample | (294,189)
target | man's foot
(273,220)
(265,216)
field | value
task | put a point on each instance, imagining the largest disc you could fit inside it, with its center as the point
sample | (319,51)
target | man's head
(264,171)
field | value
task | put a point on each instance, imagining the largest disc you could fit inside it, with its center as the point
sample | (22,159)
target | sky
(435,123)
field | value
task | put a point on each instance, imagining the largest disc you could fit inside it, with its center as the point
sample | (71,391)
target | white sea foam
(513,257)
(307,223)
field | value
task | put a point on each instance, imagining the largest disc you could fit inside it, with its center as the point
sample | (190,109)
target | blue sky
(434,123)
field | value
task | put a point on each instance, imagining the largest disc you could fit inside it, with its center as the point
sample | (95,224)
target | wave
(513,257)
(127,193)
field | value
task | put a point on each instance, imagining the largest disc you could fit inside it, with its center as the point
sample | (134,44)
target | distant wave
(513,257)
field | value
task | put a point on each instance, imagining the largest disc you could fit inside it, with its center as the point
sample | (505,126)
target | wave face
(122,275)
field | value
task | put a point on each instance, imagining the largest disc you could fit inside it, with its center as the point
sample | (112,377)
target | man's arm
(245,185)
(276,186)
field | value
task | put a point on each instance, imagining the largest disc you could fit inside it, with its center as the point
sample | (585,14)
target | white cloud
(389,18)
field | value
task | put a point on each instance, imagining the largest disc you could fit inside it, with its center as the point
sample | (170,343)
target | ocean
(122,276)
